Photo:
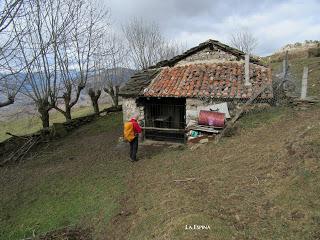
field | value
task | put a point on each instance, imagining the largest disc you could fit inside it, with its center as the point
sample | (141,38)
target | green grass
(61,201)
(106,124)
(62,188)
(268,116)
(30,124)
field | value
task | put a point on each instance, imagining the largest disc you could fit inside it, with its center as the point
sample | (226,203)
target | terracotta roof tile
(219,80)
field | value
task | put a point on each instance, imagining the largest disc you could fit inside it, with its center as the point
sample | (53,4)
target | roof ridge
(209,43)
(213,63)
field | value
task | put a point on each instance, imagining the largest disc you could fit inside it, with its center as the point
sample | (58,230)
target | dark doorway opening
(165,119)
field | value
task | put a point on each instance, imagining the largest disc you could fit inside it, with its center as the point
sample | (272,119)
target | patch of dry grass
(248,187)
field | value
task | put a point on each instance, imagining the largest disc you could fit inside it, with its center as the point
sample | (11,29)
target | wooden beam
(203,129)
(164,129)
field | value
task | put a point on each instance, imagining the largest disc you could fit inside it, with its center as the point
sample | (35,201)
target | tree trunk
(67,113)
(116,97)
(68,104)
(95,106)
(67,99)
(116,101)
(94,99)
(44,115)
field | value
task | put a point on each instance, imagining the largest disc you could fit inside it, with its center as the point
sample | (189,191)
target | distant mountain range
(126,73)
(24,104)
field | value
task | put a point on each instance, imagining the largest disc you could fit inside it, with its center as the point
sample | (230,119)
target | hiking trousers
(134,148)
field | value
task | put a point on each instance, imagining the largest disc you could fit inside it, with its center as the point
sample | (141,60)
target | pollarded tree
(116,65)
(75,52)
(96,84)
(45,22)
(110,68)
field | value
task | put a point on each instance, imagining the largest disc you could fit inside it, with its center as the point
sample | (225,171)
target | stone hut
(169,95)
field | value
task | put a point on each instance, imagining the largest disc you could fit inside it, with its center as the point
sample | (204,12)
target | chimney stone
(247,70)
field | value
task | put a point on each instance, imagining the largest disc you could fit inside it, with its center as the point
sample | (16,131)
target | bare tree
(46,22)
(10,66)
(111,67)
(59,37)
(96,81)
(244,41)
(116,67)
(147,44)
(96,85)
(75,53)
(9,10)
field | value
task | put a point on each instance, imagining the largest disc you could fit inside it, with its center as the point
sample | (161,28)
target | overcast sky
(273,22)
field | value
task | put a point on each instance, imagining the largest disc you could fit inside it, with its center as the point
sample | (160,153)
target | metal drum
(211,118)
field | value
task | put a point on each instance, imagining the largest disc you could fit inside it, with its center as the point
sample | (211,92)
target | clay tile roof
(216,80)
(197,79)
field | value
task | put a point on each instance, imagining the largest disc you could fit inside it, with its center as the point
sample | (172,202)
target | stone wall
(130,108)
(57,130)
(207,54)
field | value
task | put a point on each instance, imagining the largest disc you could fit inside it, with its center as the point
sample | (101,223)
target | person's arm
(137,129)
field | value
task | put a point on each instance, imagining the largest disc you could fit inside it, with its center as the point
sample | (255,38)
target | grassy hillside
(66,184)
(261,183)
(296,63)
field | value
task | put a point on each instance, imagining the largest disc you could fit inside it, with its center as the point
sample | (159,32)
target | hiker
(132,130)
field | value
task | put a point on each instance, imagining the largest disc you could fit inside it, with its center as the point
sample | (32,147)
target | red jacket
(136,128)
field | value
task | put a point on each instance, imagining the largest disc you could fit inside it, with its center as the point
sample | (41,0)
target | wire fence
(286,86)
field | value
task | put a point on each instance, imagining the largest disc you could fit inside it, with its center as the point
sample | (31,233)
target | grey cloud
(192,21)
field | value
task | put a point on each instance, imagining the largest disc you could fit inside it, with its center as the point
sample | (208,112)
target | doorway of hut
(165,119)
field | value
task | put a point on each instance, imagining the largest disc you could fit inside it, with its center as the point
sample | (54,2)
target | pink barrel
(210,118)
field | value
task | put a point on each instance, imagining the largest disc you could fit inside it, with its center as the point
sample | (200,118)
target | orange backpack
(128,132)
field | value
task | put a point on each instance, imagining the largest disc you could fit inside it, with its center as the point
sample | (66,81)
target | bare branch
(244,41)
(147,45)
(75,51)
(10,64)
